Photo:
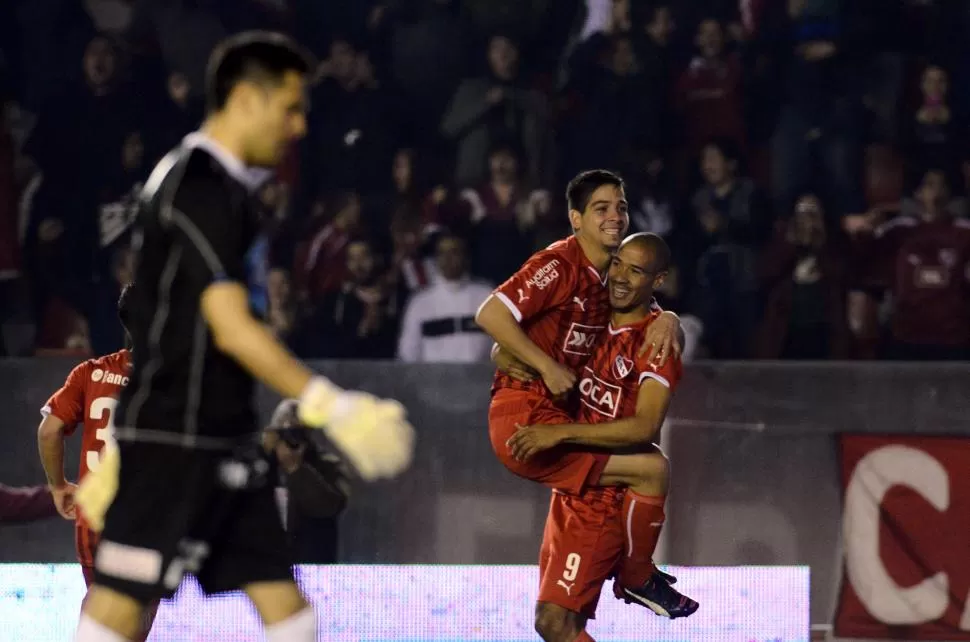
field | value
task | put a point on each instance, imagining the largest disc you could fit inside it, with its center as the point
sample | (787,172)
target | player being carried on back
(87,399)
(613,524)
(549,315)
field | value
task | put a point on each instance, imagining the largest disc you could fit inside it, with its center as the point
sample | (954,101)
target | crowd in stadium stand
(806,160)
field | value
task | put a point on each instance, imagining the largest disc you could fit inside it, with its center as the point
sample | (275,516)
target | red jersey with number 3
(87,399)
(610,382)
(561,301)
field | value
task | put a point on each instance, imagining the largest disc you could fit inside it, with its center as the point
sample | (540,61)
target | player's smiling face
(632,278)
(605,218)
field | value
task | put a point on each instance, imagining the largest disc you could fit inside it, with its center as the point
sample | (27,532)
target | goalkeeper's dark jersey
(197,220)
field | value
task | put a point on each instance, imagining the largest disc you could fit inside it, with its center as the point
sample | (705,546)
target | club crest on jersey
(580,338)
(622,367)
(600,396)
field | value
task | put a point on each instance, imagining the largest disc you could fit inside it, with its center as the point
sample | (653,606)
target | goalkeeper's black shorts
(181,511)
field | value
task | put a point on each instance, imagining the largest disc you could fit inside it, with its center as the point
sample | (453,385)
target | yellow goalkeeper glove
(98,488)
(373,434)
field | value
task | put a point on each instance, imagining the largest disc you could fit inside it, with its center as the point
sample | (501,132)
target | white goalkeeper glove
(373,434)
(98,488)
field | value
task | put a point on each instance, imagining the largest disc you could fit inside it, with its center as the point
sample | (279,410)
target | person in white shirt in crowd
(439,321)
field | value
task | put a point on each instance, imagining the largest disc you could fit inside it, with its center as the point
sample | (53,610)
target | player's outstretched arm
(498,322)
(372,433)
(640,429)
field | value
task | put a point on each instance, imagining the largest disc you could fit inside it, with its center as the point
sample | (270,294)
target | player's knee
(276,601)
(652,473)
(556,624)
(114,610)
(299,627)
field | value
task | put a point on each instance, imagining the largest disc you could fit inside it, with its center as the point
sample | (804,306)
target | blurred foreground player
(549,315)
(184,488)
(87,398)
(612,527)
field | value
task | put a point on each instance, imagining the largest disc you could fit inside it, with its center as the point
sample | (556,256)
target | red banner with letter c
(905,538)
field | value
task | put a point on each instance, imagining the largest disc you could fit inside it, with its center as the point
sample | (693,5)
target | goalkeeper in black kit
(182,487)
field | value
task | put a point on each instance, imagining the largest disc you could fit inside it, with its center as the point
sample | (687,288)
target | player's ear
(659,279)
(575,219)
(247,95)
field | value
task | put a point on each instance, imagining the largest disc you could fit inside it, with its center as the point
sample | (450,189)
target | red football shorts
(582,545)
(566,468)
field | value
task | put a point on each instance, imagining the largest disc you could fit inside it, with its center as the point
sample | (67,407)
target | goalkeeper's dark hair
(261,57)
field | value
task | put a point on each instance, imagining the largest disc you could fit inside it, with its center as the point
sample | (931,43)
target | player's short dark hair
(256,56)
(654,244)
(581,188)
(124,305)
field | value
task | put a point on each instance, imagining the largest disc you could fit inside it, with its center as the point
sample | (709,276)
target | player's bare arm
(506,362)
(638,430)
(50,442)
(498,322)
(225,306)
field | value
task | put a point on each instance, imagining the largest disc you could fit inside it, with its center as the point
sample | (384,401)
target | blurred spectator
(90,159)
(407,191)
(281,313)
(709,95)
(648,190)
(313,486)
(425,35)
(817,144)
(360,320)
(803,271)
(351,127)
(498,107)
(410,268)
(933,135)
(651,27)
(182,33)
(524,20)
(439,321)
(10,272)
(922,259)
(653,209)
(654,45)
(619,107)
(502,213)
(731,221)
(320,262)
(178,114)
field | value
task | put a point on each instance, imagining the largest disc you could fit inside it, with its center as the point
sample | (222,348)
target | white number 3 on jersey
(99,407)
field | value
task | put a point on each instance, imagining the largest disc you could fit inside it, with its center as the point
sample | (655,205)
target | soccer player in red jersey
(611,527)
(87,398)
(549,315)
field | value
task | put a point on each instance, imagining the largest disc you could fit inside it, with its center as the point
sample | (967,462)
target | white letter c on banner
(875,474)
